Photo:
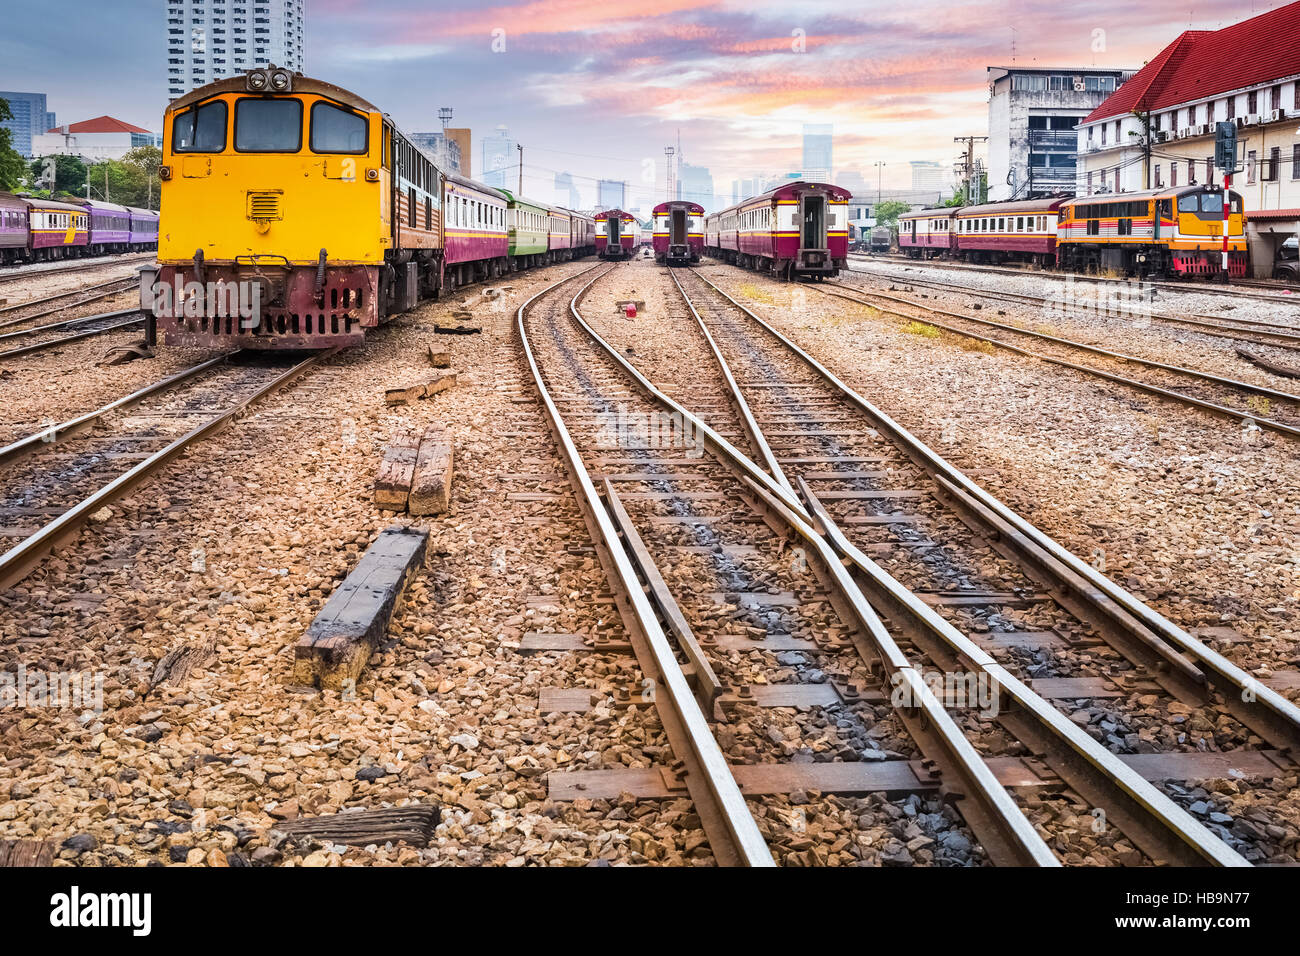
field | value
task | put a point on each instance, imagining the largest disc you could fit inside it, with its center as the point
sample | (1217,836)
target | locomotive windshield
(336,130)
(200,129)
(268,125)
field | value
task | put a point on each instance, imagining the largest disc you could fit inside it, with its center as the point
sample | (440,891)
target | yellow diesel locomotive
(1171,231)
(296,215)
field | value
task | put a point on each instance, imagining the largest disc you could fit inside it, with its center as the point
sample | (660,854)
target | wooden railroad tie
(415,473)
(1266,365)
(439,383)
(414,825)
(337,644)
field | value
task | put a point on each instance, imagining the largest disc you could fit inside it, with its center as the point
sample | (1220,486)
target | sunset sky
(599,88)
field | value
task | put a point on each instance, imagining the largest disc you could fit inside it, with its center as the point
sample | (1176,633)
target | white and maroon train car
(1021,231)
(797,229)
(616,234)
(927,233)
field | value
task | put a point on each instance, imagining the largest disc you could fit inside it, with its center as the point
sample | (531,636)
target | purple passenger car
(110,227)
(13,229)
(144,228)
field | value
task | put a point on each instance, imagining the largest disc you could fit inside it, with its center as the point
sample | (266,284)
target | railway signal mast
(1225,157)
(668,152)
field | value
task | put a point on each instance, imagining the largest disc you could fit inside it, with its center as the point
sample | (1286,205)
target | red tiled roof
(1203,63)
(101,124)
(1273,214)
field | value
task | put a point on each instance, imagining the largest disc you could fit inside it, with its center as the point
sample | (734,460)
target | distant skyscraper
(444,151)
(817,152)
(696,185)
(500,160)
(210,42)
(611,194)
(927,175)
(30,119)
(566,193)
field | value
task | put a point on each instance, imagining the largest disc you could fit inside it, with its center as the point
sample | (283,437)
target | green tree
(146,159)
(11,163)
(887,212)
(69,175)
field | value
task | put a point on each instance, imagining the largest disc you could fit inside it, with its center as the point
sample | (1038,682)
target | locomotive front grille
(264,206)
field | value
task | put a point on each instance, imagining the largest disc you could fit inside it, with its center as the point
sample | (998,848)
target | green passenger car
(527,224)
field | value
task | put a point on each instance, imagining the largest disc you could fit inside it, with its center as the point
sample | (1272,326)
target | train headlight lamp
(281,81)
(257,80)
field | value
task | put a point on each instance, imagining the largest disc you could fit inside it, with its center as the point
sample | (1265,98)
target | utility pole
(970,142)
(520,147)
(880,183)
(1147,147)
(668,152)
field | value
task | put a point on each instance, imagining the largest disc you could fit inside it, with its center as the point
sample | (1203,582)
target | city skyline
(598,92)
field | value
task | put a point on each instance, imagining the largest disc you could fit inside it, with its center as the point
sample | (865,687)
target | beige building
(1158,129)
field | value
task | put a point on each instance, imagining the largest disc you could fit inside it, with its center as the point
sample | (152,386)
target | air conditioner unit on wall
(1162,136)
(1201,130)
(1253,119)
(1277,115)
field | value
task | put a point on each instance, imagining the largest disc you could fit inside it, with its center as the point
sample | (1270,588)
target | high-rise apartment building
(209,40)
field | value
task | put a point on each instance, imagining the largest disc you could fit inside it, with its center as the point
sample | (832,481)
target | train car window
(1094,227)
(1124,227)
(268,125)
(336,130)
(200,129)
(1212,202)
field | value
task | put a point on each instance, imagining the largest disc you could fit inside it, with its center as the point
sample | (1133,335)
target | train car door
(814,222)
(612,232)
(677,236)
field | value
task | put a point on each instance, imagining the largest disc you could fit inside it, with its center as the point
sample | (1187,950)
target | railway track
(37,270)
(53,481)
(716,576)
(1269,290)
(1278,335)
(54,334)
(1163,831)
(102,290)
(1265,407)
(1028,612)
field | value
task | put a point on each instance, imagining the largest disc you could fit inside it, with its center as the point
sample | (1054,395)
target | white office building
(209,40)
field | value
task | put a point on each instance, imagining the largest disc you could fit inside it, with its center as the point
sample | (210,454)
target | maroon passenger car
(678,232)
(796,229)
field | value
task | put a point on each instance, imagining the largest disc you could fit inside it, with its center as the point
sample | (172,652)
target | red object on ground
(630,311)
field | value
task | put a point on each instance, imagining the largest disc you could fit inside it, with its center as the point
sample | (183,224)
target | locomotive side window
(200,129)
(336,130)
(268,126)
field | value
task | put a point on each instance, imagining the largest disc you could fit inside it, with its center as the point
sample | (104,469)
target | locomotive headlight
(372,175)
(164,172)
(281,81)
(257,80)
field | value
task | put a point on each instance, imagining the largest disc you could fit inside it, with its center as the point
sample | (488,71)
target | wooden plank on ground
(333,652)
(411,824)
(439,383)
(431,480)
(439,359)
(396,469)
(15,853)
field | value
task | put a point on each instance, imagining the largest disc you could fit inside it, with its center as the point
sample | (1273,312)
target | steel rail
(56,433)
(1259,707)
(74,337)
(733,833)
(67,322)
(98,262)
(1085,763)
(1237,287)
(1228,328)
(1223,410)
(62,295)
(994,816)
(1117,778)
(22,558)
